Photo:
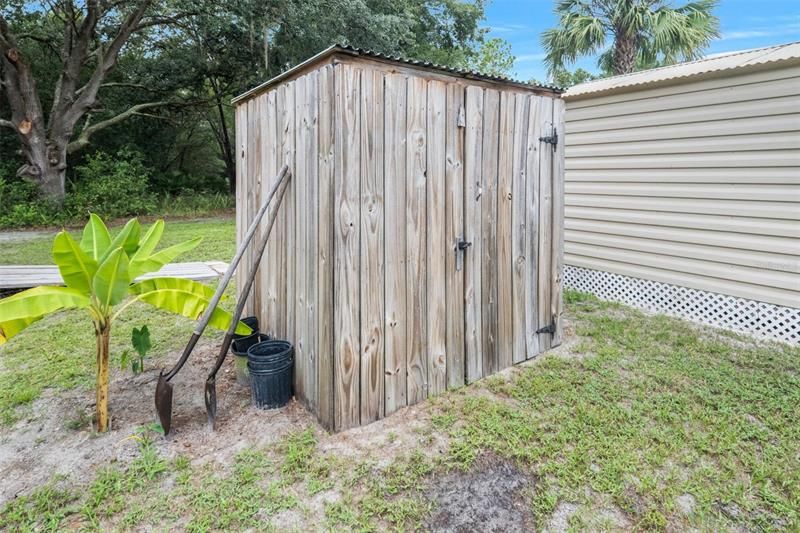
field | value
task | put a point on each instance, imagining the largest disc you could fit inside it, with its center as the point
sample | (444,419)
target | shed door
(500,216)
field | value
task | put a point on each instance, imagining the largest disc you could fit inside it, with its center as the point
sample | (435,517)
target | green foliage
(20,205)
(642,33)
(493,57)
(112,187)
(565,78)
(140,340)
(99,274)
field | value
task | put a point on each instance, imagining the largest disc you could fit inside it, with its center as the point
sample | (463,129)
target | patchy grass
(59,351)
(653,409)
(636,417)
(219,242)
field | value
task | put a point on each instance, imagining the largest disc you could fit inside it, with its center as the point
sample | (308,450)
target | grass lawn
(218,242)
(641,422)
(59,351)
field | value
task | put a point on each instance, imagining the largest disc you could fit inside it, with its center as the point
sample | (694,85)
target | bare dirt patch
(493,497)
(47,443)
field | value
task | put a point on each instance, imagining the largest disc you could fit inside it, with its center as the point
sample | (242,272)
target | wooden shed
(419,245)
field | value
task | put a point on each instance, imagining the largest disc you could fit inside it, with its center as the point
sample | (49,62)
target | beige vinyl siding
(695,184)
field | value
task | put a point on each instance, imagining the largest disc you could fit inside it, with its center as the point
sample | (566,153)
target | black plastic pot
(252,323)
(240,356)
(242,344)
(271,367)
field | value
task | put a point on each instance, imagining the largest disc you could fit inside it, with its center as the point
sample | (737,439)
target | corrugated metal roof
(705,66)
(350,50)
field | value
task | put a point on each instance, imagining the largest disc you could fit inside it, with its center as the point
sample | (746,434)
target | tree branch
(8,124)
(83,139)
(121,84)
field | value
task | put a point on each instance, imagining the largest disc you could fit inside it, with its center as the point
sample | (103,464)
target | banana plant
(100,274)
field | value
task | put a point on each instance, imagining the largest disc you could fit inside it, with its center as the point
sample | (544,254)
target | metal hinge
(547,329)
(551,139)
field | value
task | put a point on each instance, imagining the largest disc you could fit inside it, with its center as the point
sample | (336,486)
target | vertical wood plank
(416,297)
(241,178)
(557,259)
(545,223)
(491,133)
(518,225)
(395,238)
(505,330)
(454,231)
(346,246)
(473,144)
(325,302)
(437,249)
(312,239)
(281,224)
(372,247)
(270,268)
(301,180)
(259,107)
(289,202)
(532,229)
(252,165)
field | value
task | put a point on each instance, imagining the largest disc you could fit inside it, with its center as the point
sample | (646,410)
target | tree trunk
(624,54)
(102,335)
(46,165)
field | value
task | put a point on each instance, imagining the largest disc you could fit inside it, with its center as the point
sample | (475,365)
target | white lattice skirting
(737,314)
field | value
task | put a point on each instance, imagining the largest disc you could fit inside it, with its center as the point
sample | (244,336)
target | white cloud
(528,58)
(773,31)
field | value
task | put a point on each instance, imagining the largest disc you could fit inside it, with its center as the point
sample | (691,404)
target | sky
(743,24)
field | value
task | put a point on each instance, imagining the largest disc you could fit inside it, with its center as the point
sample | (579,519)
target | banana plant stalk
(100,274)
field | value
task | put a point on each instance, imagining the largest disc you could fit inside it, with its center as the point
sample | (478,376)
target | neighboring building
(683,190)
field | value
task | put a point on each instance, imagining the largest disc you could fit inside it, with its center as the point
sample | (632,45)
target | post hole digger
(164,389)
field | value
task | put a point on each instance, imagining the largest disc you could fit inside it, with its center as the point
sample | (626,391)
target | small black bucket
(252,323)
(239,349)
(271,366)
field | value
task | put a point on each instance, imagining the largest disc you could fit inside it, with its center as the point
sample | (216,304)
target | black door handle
(463,245)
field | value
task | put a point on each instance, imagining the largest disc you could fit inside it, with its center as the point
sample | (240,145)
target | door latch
(461,246)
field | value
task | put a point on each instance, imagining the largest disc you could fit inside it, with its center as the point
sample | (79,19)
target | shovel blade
(164,402)
(211,402)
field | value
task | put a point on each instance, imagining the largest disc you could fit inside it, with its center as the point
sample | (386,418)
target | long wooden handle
(223,284)
(249,284)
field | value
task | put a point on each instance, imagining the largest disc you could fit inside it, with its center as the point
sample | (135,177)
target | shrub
(21,206)
(112,187)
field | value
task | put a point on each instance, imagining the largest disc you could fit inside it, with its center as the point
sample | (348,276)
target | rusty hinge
(551,139)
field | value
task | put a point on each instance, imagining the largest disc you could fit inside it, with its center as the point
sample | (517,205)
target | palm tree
(641,32)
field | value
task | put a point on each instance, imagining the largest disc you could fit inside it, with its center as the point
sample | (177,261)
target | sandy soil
(46,443)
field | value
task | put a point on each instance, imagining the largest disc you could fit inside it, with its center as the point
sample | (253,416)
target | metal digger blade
(164,402)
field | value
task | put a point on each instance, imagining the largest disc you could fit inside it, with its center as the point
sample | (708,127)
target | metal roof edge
(360,52)
(653,77)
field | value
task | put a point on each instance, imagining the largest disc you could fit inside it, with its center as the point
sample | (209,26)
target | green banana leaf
(111,280)
(127,239)
(76,267)
(96,239)
(191,306)
(154,262)
(10,328)
(40,301)
(149,242)
(182,284)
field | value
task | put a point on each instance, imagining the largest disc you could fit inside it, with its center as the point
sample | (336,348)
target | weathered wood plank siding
(695,184)
(364,274)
